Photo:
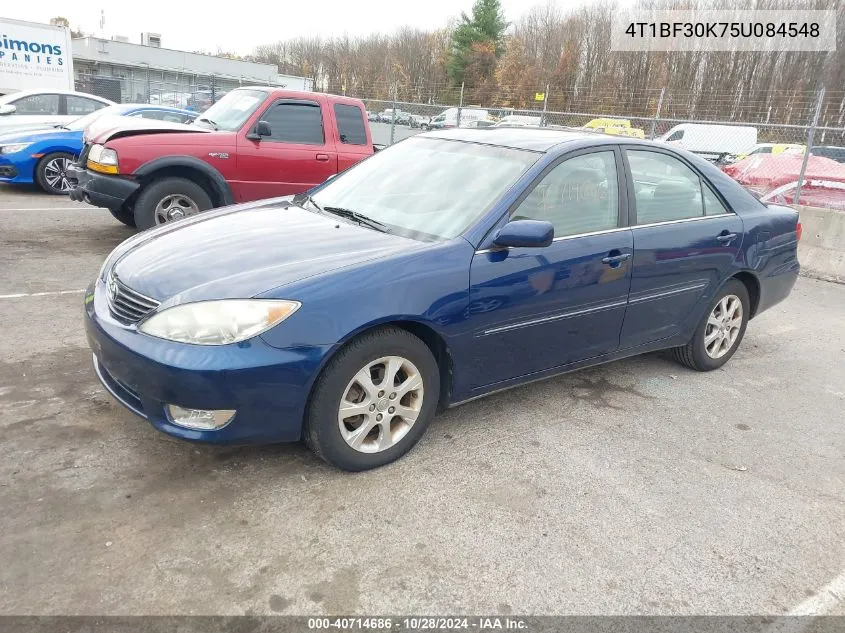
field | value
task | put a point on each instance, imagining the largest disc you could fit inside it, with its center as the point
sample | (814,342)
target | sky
(240,28)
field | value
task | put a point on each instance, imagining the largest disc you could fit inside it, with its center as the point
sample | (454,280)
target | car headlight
(102,159)
(13,148)
(218,322)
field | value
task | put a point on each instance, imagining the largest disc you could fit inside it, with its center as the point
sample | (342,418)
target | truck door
(297,154)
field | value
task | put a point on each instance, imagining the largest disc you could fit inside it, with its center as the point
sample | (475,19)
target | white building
(126,72)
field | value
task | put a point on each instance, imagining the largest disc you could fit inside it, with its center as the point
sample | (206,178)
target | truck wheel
(124,215)
(50,173)
(169,199)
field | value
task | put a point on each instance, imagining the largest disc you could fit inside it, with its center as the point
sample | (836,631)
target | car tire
(152,206)
(333,436)
(127,216)
(720,331)
(50,173)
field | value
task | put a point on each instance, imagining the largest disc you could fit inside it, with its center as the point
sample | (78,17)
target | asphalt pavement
(638,487)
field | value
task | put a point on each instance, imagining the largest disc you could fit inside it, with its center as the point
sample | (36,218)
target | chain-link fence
(786,149)
(140,86)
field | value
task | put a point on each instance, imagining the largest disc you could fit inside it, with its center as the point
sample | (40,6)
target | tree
(63,21)
(485,31)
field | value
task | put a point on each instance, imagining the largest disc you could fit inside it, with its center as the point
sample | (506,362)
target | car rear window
(350,123)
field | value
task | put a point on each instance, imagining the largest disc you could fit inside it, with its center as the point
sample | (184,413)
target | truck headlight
(13,148)
(103,160)
(218,322)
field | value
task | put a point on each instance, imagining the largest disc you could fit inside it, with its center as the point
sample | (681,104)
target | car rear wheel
(168,200)
(720,331)
(373,401)
(51,173)
(127,216)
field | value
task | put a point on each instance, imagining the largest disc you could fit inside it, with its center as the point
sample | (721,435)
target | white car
(33,109)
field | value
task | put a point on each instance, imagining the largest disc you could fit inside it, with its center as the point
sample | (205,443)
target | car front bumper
(266,386)
(101,190)
(16,171)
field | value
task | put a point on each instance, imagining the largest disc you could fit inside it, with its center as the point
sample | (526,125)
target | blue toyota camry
(449,266)
(42,156)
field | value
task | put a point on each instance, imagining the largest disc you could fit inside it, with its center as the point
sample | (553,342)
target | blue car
(449,266)
(42,156)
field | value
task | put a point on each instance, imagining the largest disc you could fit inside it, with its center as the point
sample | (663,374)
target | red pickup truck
(254,143)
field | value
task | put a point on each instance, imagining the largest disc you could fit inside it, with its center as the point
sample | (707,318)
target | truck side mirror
(262,128)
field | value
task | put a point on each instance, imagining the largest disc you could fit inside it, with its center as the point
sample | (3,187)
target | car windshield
(427,188)
(84,121)
(232,110)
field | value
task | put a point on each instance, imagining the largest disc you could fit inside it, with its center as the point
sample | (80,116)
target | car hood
(32,136)
(110,127)
(246,250)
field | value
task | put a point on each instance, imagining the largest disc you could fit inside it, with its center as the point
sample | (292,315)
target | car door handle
(726,238)
(322,157)
(616,259)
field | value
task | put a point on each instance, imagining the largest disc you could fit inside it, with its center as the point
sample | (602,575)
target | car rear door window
(295,122)
(580,195)
(667,190)
(37,104)
(350,123)
(79,106)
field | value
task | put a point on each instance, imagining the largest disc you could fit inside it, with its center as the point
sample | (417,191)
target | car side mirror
(262,128)
(8,108)
(525,234)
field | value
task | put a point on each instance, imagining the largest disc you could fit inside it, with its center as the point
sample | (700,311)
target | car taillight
(799,230)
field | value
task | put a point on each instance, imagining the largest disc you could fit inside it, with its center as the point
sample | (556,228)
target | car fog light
(202,419)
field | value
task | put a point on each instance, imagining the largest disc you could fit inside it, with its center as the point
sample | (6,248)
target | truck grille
(125,304)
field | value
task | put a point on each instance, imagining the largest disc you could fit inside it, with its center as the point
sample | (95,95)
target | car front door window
(578,196)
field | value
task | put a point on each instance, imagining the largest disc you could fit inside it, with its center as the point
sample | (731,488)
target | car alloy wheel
(55,174)
(175,207)
(380,404)
(723,326)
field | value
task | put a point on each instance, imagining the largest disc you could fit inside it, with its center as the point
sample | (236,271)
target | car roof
(536,139)
(27,93)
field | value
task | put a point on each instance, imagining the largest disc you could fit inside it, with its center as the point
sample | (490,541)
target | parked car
(254,143)
(449,118)
(532,253)
(386,116)
(418,120)
(478,124)
(518,120)
(774,178)
(42,156)
(372,116)
(830,151)
(606,124)
(35,109)
(715,140)
(768,148)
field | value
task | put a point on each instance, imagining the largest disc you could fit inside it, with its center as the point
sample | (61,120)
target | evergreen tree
(486,27)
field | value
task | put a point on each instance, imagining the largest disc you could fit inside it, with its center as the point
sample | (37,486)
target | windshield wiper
(357,217)
(207,120)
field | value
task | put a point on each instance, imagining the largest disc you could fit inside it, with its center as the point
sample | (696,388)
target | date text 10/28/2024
(418,624)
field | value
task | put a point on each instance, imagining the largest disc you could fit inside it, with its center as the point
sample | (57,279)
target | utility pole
(460,105)
(810,134)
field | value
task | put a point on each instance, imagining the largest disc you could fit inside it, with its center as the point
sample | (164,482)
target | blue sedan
(447,267)
(42,156)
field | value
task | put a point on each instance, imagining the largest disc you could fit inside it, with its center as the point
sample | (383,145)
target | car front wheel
(720,331)
(51,173)
(373,401)
(168,200)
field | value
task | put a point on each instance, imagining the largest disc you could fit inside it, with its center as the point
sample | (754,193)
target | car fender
(215,177)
